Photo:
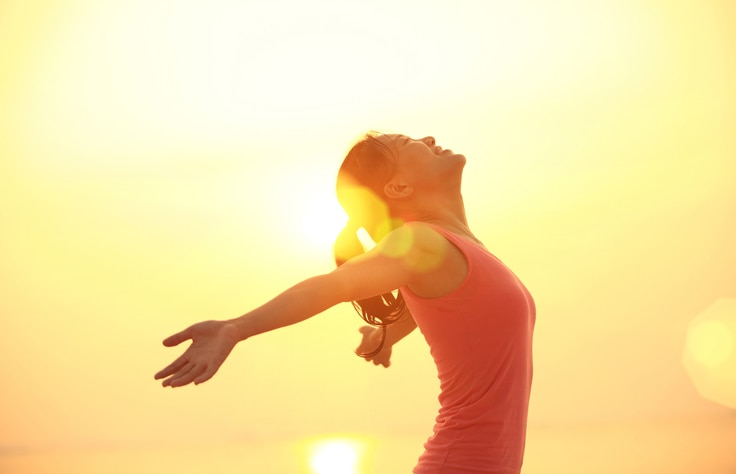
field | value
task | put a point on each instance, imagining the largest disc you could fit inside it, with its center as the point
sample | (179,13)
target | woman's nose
(429,141)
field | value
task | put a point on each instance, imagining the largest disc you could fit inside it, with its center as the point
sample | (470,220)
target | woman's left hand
(371,340)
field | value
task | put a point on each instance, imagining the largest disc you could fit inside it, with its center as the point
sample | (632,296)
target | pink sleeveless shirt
(480,337)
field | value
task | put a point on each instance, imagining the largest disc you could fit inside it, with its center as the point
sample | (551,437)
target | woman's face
(418,167)
(423,161)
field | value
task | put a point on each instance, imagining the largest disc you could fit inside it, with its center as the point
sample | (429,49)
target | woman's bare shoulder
(416,244)
(438,265)
(414,235)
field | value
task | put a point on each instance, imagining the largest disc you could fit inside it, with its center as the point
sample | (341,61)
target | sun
(336,456)
(318,218)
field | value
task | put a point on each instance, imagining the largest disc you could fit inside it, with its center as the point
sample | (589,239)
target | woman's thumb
(177,338)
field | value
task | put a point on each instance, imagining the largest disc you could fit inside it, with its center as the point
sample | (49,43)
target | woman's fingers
(178,338)
(172,368)
(367,344)
(364,345)
(211,343)
(178,375)
(382,362)
(182,372)
(187,375)
(206,375)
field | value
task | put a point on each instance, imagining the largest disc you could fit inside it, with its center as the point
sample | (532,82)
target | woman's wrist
(239,327)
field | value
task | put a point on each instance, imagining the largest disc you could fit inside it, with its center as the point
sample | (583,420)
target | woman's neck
(449,215)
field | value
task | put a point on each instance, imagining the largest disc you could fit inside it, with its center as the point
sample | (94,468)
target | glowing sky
(164,162)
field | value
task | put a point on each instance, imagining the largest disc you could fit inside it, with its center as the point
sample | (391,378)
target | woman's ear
(397,190)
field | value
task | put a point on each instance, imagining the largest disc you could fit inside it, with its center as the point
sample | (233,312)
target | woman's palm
(212,342)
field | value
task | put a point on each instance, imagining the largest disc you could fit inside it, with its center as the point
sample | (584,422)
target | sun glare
(711,342)
(335,456)
(710,352)
(365,239)
(319,219)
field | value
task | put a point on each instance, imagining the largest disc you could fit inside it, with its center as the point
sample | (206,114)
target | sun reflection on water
(336,455)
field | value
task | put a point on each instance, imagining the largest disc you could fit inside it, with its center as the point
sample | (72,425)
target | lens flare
(710,342)
(364,206)
(710,352)
(365,239)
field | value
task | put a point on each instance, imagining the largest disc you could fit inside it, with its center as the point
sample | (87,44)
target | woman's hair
(368,166)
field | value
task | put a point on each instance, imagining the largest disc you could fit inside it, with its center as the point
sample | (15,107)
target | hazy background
(164,162)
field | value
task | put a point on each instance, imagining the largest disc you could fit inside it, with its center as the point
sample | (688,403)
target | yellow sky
(166,162)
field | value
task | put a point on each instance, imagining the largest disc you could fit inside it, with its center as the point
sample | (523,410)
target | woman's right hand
(212,342)
(371,340)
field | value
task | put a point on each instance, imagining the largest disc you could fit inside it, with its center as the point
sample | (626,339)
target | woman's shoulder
(433,235)
(420,235)
(432,253)
(416,242)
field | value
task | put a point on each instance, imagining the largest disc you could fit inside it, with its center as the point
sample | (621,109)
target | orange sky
(166,162)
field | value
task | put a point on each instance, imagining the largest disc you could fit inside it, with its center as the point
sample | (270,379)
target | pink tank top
(480,337)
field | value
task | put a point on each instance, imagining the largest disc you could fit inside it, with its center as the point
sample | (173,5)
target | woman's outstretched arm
(379,271)
(212,341)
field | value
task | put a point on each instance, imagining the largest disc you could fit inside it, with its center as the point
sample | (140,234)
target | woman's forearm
(300,302)
(400,329)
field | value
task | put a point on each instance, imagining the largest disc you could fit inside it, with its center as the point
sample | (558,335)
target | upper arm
(401,258)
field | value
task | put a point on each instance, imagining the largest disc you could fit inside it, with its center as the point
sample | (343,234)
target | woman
(475,314)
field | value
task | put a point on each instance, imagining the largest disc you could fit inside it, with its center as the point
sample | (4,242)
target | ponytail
(381,310)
